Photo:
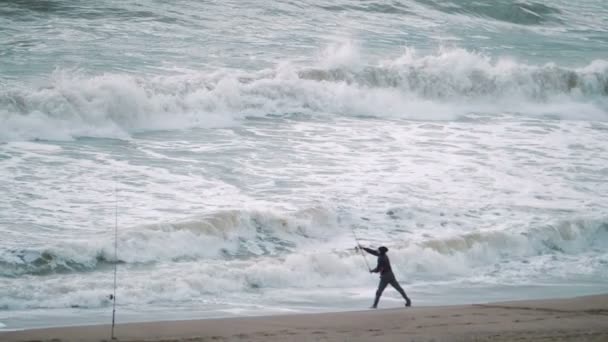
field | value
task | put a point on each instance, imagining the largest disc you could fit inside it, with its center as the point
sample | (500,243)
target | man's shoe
(408,303)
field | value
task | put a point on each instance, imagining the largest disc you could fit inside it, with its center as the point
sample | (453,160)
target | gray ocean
(237,145)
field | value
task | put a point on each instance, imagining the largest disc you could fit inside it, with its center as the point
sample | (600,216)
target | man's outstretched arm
(370,251)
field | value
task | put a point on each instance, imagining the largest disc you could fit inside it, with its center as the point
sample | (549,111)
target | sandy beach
(573,319)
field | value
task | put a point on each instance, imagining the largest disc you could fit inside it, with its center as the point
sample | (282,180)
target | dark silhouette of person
(386,274)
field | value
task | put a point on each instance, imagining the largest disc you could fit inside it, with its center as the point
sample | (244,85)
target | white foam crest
(57,292)
(340,54)
(110,105)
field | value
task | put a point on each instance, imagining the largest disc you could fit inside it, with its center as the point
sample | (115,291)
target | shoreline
(571,319)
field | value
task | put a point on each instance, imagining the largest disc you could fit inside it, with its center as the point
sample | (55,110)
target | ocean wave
(449,257)
(259,238)
(445,85)
(222,235)
(445,258)
(514,12)
(562,237)
(448,77)
(32,10)
(495,256)
(370,7)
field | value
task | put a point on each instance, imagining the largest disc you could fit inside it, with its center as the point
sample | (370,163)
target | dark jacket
(384,265)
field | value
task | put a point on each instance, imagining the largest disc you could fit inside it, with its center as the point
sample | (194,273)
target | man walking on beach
(386,274)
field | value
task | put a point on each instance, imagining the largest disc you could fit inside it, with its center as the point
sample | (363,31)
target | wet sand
(573,319)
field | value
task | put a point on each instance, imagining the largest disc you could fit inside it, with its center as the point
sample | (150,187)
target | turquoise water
(239,143)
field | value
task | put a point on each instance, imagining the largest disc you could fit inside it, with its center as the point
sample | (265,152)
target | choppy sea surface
(236,146)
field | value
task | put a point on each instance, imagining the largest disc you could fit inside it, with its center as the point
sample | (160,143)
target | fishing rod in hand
(359,248)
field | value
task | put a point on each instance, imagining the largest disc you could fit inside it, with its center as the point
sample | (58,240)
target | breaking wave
(223,235)
(245,252)
(267,237)
(503,256)
(445,85)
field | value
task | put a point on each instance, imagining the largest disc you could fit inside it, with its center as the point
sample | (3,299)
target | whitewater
(239,143)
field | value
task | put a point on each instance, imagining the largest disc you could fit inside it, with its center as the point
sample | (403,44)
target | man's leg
(394,283)
(381,286)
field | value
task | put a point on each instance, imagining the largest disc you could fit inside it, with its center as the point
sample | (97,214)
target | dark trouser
(385,279)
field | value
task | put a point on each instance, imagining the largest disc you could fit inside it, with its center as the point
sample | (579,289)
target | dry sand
(574,319)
